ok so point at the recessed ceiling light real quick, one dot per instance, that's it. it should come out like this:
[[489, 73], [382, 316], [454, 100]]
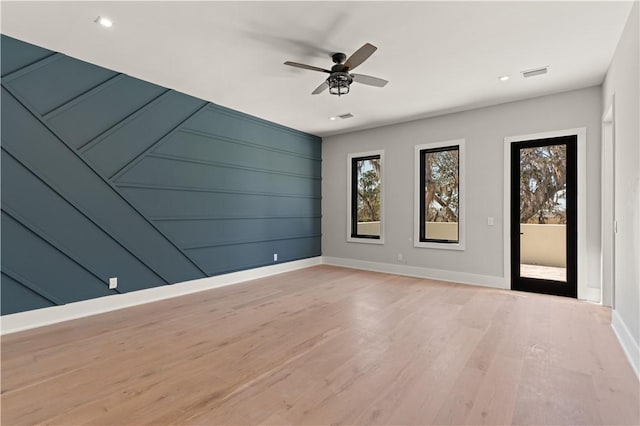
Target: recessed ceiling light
[[503, 78], [105, 22], [333, 118]]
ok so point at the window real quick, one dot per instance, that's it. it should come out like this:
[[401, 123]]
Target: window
[[365, 205], [439, 198]]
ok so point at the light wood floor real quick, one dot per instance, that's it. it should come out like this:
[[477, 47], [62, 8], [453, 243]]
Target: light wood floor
[[326, 345]]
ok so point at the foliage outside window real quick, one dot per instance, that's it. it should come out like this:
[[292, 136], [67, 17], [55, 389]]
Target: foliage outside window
[[365, 197], [439, 195], [543, 185]]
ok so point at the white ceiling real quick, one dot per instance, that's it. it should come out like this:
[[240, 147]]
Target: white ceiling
[[438, 56]]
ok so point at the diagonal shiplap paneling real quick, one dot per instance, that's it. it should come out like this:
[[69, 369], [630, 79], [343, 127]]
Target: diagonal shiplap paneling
[[106, 175], [246, 188]]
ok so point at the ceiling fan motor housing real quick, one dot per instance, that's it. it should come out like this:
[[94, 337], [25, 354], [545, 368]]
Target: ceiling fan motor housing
[[339, 58], [340, 79]]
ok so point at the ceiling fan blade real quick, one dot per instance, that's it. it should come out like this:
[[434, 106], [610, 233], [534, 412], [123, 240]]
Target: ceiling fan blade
[[360, 56], [306, 67], [324, 86], [367, 79]]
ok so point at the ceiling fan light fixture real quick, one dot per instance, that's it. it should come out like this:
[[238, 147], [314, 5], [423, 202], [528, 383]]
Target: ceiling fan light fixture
[[339, 83]]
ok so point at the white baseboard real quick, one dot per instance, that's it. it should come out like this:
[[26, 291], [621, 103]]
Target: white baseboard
[[628, 343], [46, 316], [418, 271]]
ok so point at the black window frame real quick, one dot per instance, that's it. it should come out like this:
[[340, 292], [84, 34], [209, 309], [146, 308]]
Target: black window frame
[[422, 224], [354, 196]]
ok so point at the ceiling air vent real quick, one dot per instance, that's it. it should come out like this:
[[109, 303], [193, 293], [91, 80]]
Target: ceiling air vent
[[345, 116], [535, 71]]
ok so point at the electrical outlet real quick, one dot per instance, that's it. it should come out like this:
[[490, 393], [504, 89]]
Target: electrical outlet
[[275, 257], [400, 257], [490, 221], [113, 283]]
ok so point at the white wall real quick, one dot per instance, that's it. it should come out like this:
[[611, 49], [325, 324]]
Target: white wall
[[621, 84], [484, 130]]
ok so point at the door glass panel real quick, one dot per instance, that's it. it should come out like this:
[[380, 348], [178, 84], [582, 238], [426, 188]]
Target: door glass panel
[[543, 212]]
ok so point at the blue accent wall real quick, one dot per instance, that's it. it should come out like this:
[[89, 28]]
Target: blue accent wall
[[105, 175]]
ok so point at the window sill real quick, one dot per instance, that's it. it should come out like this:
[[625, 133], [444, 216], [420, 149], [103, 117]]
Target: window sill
[[439, 246], [379, 241]]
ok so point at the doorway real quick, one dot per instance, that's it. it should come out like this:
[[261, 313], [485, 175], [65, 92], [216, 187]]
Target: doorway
[[544, 215]]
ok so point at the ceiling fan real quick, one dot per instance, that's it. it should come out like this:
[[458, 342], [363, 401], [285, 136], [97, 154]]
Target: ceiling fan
[[340, 76]]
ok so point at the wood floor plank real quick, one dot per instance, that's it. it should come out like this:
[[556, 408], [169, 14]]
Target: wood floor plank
[[326, 345]]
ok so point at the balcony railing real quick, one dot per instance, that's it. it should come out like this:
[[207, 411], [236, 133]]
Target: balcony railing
[[540, 244]]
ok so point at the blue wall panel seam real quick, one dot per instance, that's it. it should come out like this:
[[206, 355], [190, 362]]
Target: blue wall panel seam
[[123, 122], [35, 230], [82, 96], [239, 243], [206, 218], [229, 166], [79, 209], [215, 136], [111, 185], [133, 162], [212, 190], [237, 114], [26, 69], [31, 286]]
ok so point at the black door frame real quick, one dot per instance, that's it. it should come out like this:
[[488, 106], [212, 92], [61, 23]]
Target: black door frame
[[558, 288]]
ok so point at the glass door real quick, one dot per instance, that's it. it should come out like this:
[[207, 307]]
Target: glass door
[[544, 216]]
